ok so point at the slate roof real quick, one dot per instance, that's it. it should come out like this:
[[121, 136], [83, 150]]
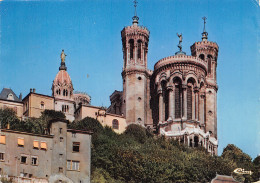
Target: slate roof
[[5, 92]]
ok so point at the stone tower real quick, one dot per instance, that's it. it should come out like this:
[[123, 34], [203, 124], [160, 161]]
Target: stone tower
[[62, 91], [136, 77], [208, 51]]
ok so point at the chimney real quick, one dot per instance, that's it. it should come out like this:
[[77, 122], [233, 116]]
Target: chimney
[[33, 90], [20, 96], [30, 90]]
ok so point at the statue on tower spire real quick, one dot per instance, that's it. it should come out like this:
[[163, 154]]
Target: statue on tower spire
[[180, 52], [62, 64], [204, 34], [135, 18]]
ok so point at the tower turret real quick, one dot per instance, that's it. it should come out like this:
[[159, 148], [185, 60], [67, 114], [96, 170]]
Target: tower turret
[[62, 90], [135, 75], [208, 51]]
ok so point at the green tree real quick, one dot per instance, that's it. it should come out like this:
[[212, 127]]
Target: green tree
[[8, 116], [241, 160], [256, 171], [137, 131], [87, 124]]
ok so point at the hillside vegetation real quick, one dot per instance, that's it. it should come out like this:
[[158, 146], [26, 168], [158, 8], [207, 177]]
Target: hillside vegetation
[[139, 156]]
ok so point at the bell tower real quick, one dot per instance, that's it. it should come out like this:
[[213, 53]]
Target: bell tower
[[62, 90], [136, 78], [207, 51]]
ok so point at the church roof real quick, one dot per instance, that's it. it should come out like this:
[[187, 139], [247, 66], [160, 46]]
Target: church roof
[[7, 92], [62, 77]]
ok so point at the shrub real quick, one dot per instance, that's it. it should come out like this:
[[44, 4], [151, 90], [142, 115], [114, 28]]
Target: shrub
[[87, 124], [137, 131]]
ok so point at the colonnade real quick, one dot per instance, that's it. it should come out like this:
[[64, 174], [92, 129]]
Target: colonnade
[[181, 101]]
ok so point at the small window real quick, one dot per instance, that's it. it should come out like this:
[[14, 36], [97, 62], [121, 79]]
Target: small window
[[34, 160], [10, 97], [139, 99], [65, 108], [60, 169], [2, 156], [202, 57], [23, 159], [139, 78], [115, 124], [60, 130], [42, 105], [74, 134], [61, 139], [76, 146], [73, 165], [36, 144], [43, 145], [2, 139], [20, 142]]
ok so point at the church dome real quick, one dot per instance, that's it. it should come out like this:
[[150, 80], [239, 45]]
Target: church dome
[[62, 78], [62, 87]]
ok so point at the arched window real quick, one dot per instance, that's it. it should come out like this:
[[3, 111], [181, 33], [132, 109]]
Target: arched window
[[196, 141], [64, 92], [191, 145], [189, 102], [178, 90], [131, 43], [209, 63], [42, 105], [59, 91], [115, 124], [139, 45], [202, 57], [10, 96]]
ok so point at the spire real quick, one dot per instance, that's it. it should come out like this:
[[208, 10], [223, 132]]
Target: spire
[[135, 18], [204, 34], [62, 64]]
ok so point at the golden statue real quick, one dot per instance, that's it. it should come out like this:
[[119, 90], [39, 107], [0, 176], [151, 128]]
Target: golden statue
[[63, 56]]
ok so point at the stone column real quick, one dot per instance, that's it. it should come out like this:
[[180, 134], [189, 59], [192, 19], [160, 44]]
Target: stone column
[[127, 55], [160, 105], [171, 102], [202, 108], [196, 92], [143, 52], [184, 101], [135, 53], [193, 105]]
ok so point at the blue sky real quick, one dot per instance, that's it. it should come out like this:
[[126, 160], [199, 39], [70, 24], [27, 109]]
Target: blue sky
[[33, 33]]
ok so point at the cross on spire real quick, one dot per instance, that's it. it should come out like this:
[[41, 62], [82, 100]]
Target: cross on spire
[[135, 5], [135, 17], [204, 33]]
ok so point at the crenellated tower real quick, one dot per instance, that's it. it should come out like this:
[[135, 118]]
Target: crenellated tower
[[136, 78], [208, 52]]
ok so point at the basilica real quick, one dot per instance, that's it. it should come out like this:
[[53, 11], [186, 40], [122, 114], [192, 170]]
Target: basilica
[[178, 99]]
